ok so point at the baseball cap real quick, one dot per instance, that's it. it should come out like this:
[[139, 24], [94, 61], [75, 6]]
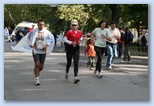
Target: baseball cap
[[74, 22]]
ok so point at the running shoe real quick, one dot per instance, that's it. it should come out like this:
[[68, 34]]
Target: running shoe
[[91, 68], [37, 82], [122, 61], [76, 80], [66, 76], [100, 75], [96, 73], [129, 61], [109, 68]]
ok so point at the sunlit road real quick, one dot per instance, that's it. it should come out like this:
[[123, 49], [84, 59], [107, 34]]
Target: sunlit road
[[126, 82]]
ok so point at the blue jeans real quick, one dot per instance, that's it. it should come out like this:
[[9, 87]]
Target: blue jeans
[[111, 50]]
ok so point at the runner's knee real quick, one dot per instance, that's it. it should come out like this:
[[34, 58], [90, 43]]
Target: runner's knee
[[37, 65], [41, 67]]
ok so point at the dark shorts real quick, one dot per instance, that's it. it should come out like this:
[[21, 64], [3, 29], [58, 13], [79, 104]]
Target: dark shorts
[[39, 57]]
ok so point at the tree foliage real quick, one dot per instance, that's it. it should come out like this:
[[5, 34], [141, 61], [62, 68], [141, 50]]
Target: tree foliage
[[58, 17], [136, 15]]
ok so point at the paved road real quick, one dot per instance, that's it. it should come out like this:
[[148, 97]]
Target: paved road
[[126, 82]]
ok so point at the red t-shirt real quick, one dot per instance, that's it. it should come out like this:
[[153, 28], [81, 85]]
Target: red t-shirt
[[74, 35]]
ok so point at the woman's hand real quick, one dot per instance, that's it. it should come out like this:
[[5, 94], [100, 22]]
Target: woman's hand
[[74, 43], [103, 36]]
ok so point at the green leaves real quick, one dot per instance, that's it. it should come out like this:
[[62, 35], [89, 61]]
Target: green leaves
[[58, 17]]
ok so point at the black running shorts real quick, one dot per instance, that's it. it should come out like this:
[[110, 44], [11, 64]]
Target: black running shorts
[[39, 57]]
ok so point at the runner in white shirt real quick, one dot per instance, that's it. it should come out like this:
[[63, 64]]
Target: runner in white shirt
[[112, 45], [101, 36]]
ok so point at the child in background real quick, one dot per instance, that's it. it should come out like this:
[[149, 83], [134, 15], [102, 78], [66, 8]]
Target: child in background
[[90, 52]]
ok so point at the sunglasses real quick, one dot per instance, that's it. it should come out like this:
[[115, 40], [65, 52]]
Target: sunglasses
[[74, 25]]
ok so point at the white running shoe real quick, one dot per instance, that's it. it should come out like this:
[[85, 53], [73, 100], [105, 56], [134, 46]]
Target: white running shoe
[[66, 76], [100, 75], [129, 61], [109, 68], [96, 73], [76, 80], [91, 68], [37, 82], [122, 61]]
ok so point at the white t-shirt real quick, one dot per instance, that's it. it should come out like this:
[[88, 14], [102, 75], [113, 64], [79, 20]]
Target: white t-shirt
[[99, 40], [114, 35]]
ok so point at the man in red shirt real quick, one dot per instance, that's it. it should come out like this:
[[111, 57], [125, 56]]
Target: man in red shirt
[[72, 40]]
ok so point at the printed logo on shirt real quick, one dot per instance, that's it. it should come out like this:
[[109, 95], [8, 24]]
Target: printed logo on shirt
[[40, 44]]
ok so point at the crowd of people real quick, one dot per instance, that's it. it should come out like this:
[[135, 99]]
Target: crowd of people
[[7, 34], [142, 41], [112, 41]]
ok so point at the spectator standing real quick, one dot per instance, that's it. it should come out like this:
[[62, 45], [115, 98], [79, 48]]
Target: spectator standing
[[10, 32], [26, 31], [60, 39], [144, 43], [6, 33], [55, 37], [146, 34], [120, 42], [19, 34], [127, 42], [139, 43]]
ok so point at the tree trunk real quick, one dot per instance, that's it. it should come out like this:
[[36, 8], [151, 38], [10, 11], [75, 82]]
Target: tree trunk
[[115, 8], [137, 22]]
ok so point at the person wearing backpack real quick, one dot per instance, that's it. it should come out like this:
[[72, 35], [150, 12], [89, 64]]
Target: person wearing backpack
[[128, 38]]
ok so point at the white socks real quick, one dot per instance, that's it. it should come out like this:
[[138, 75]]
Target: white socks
[[75, 77], [37, 78]]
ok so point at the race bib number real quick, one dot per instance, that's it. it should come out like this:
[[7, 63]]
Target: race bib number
[[40, 44], [101, 38]]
